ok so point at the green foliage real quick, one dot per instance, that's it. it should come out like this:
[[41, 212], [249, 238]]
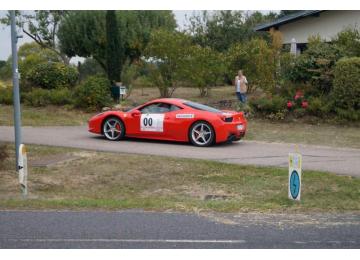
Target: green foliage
[[6, 95], [270, 107], [169, 53], [317, 106], [315, 66], [348, 41], [346, 92], [221, 29], [39, 97], [93, 94], [89, 67], [205, 68], [30, 55], [136, 28], [129, 74], [114, 48], [6, 71], [52, 75], [2, 63], [83, 33], [256, 59]]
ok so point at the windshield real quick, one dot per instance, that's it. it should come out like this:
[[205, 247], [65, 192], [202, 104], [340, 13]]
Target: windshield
[[201, 107]]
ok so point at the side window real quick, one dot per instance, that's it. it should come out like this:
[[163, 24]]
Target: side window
[[163, 108], [157, 108], [149, 109], [174, 108]]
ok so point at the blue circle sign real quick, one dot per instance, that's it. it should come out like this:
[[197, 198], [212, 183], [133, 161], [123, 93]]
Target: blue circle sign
[[294, 184]]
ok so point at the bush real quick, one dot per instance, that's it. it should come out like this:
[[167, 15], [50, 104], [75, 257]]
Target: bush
[[61, 96], [6, 96], [42, 97], [52, 75], [315, 66], [346, 92], [272, 108], [37, 97], [268, 105], [93, 94], [348, 41]]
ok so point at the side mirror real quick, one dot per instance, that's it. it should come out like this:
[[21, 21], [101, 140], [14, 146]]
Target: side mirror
[[135, 113]]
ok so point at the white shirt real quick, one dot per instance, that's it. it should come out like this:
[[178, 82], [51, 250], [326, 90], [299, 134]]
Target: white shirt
[[239, 81]]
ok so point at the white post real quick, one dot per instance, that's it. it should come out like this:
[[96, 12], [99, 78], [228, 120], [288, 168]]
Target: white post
[[294, 190]]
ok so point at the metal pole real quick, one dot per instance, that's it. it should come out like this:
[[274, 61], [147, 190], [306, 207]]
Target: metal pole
[[16, 95]]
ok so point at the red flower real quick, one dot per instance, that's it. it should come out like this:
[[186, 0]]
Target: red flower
[[298, 94], [289, 104], [304, 104]]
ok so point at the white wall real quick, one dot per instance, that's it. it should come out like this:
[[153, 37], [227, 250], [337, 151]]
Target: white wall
[[327, 25]]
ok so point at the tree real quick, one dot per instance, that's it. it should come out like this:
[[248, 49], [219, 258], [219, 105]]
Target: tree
[[83, 33], [136, 28], [221, 29], [168, 53], [315, 66], [256, 59], [348, 41], [30, 55], [205, 68], [114, 51], [42, 27]]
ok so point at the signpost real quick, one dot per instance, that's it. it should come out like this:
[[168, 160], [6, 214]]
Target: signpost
[[20, 151], [16, 95], [23, 171], [295, 161]]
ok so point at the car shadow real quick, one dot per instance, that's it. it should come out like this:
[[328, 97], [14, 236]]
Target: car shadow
[[152, 141]]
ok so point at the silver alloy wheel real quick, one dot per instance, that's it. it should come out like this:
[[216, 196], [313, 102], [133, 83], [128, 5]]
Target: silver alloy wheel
[[201, 134], [112, 129]]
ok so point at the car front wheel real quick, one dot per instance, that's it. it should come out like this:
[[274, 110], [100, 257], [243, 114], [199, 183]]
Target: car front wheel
[[113, 129]]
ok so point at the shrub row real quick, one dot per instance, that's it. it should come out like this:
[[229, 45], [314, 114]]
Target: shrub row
[[92, 95]]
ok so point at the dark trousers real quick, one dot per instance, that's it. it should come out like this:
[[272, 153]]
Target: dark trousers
[[241, 97]]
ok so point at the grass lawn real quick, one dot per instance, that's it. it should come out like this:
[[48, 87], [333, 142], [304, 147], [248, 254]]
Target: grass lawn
[[44, 116], [98, 180]]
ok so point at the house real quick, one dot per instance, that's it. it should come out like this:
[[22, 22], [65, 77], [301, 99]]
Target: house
[[300, 25]]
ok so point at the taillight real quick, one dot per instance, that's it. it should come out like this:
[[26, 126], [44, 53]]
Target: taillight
[[227, 119]]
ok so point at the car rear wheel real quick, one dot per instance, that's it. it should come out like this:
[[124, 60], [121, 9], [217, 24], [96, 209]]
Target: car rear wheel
[[201, 134], [113, 129]]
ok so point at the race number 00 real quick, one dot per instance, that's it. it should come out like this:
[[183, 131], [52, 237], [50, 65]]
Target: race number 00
[[148, 121]]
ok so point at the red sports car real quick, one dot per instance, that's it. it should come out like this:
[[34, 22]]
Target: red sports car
[[171, 119]]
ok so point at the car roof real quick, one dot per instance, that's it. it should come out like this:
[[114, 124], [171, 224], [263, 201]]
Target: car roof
[[175, 101]]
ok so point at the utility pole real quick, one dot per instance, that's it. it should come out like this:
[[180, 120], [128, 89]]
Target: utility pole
[[16, 95]]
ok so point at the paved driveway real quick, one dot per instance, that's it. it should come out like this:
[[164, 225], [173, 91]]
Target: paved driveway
[[337, 160]]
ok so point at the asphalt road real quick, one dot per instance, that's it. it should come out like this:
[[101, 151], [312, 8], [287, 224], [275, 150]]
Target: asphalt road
[[337, 160], [138, 229]]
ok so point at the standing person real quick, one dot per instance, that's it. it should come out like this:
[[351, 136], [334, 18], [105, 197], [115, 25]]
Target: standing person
[[241, 86]]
